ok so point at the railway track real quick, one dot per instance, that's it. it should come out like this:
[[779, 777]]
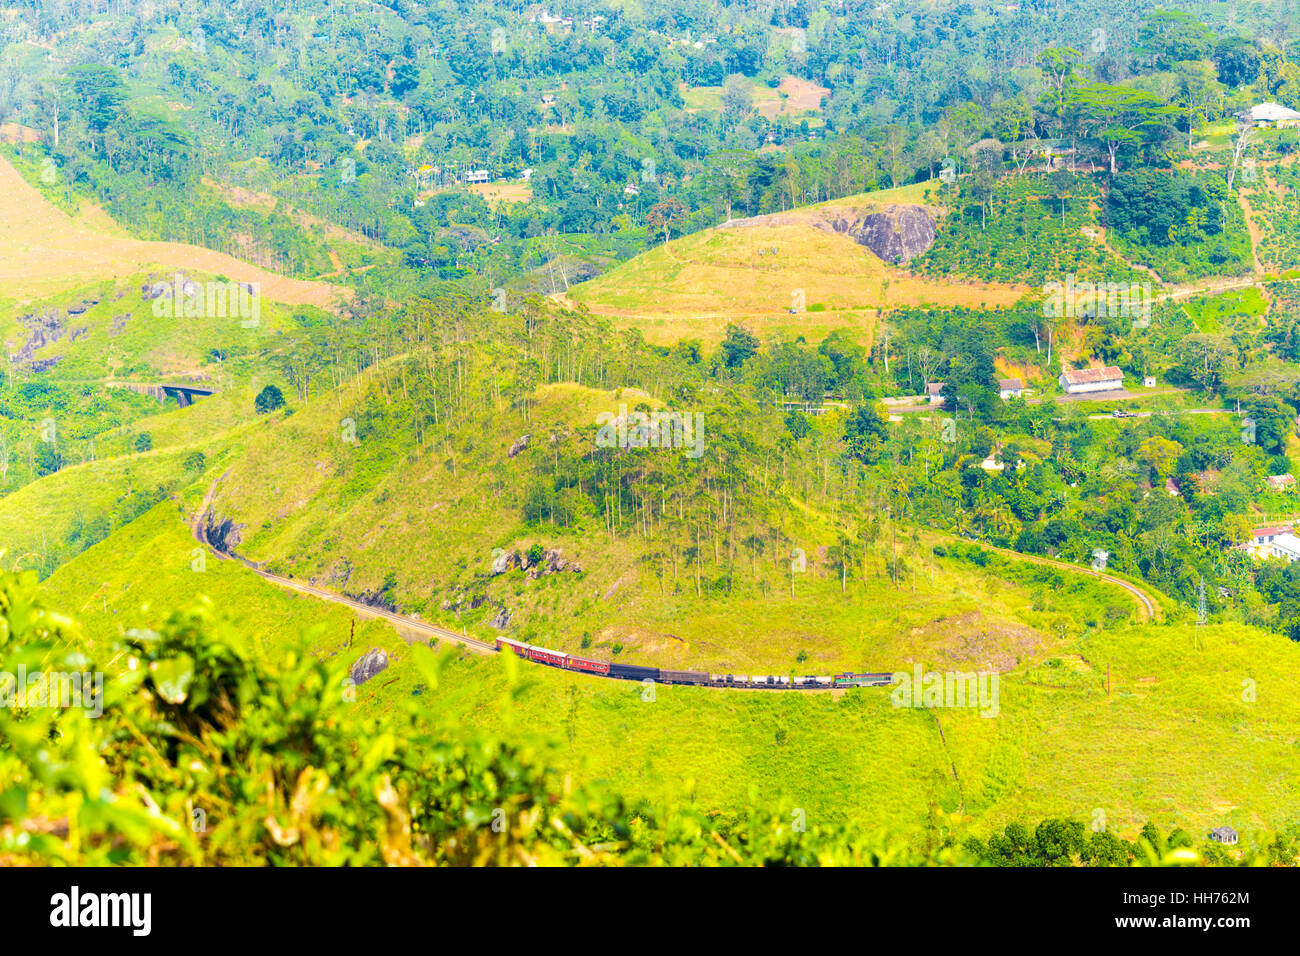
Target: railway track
[[1148, 610], [436, 632], [366, 610]]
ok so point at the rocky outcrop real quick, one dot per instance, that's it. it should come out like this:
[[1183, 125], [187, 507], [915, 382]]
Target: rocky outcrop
[[551, 561], [896, 232], [519, 446], [502, 619], [372, 662], [223, 534]]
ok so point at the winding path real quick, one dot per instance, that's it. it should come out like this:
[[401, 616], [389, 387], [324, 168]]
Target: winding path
[[1147, 608], [198, 529]]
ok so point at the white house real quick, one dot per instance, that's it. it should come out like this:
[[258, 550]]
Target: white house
[[1286, 546], [1226, 835], [1079, 381], [477, 176], [1280, 482], [935, 392], [1010, 388], [1271, 114]]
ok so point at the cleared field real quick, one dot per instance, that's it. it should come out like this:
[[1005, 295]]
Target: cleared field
[[795, 97], [694, 286], [43, 250]]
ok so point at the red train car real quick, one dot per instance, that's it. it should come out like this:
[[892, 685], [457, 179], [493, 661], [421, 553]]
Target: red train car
[[591, 667]]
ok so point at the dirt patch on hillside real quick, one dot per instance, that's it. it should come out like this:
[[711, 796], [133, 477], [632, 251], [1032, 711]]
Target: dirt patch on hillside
[[43, 249], [972, 641]]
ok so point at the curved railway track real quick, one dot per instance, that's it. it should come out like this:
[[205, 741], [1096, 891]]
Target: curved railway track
[[1148, 609]]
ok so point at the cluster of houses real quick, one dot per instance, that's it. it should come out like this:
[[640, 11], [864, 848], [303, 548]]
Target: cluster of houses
[[1081, 381], [548, 19]]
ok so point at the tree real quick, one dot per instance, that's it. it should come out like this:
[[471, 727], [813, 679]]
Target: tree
[[737, 99], [1197, 89], [726, 171], [1170, 36], [1117, 116], [666, 214], [268, 400], [99, 94], [738, 346], [1062, 181], [1245, 135]]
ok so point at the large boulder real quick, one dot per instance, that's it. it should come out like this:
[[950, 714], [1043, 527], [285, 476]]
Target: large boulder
[[896, 232], [372, 662]]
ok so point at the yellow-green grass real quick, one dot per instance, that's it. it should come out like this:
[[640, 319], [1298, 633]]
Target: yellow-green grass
[[124, 336], [43, 250], [1181, 737], [794, 98], [153, 566], [426, 522], [694, 286], [38, 517], [223, 414]]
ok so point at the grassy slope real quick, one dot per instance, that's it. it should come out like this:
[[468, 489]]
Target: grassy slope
[[349, 516], [692, 286], [120, 337], [1173, 741]]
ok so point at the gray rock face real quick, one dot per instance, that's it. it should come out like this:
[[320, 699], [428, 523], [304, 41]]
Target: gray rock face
[[502, 619], [896, 232], [519, 446], [551, 562], [372, 662]]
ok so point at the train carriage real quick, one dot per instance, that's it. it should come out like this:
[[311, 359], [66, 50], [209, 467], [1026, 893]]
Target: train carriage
[[590, 666], [683, 677], [543, 655], [633, 672]]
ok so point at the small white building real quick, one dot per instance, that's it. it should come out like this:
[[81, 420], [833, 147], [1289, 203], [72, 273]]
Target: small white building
[[1078, 381], [1280, 482], [477, 176], [1010, 388], [934, 391], [1224, 835], [1285, 545], [1271, 114], [1148, 381]]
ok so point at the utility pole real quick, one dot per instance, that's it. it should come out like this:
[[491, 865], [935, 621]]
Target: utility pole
[[1201, 616]]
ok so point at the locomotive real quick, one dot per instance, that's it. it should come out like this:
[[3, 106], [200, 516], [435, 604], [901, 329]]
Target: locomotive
[[663, 675]]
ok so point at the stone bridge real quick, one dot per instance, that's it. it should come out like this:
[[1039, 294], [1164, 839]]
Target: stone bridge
[[184, 394]]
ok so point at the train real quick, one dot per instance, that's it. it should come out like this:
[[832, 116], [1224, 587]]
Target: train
[[663, 675]]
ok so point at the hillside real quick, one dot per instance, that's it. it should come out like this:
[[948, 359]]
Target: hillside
[[1128, 722], [766, 268], [43, 250]]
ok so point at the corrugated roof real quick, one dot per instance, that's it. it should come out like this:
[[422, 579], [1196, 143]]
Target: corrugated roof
[[1272, 112]]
